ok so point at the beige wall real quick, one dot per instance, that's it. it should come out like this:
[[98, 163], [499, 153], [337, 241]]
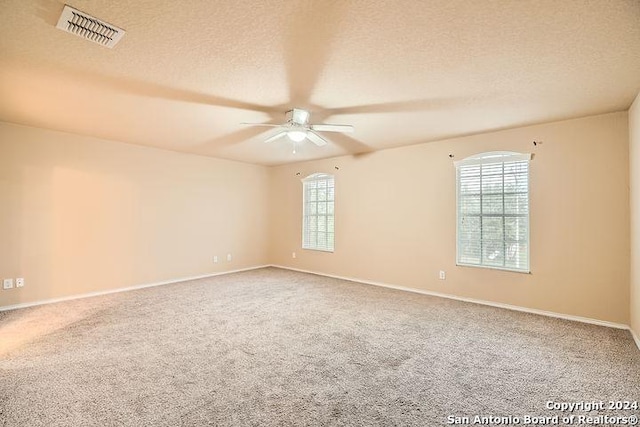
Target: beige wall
[[79, 214], [634, 157], [396, 218]]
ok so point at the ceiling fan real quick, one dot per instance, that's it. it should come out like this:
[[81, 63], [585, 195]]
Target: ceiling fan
[[298, 128]]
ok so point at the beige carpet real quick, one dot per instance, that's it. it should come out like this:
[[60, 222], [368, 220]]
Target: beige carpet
[[274, 347]]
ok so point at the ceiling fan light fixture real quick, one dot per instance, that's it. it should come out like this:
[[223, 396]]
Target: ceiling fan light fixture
[[297, 128], [297, 135]]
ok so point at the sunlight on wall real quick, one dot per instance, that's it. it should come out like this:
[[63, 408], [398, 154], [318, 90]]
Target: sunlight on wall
[[90, 213]]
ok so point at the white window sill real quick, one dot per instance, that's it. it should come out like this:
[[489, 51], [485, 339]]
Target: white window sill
[[491, 267], [318, 250]]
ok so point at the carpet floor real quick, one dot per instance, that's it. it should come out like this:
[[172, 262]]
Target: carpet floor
[[274, 347]]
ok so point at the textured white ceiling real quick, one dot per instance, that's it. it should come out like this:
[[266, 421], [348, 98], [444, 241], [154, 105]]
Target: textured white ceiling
[[402, 72]]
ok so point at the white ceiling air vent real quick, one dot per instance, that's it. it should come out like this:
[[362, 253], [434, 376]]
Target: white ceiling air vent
[[86, 26]]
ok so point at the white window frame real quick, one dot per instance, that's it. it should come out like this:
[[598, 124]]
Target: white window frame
[[314, 219], [493, 158]]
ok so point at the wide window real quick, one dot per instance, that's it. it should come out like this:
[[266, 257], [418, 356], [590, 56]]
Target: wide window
[[493, 211], [318, 206]]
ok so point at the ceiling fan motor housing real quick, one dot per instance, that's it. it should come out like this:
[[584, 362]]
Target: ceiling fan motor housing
[[298, 116]]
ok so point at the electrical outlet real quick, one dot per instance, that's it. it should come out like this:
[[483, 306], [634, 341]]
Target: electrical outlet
[[19, 282], [293, 254], [228, 257], [443, 275], [7, 284], [215, 259]]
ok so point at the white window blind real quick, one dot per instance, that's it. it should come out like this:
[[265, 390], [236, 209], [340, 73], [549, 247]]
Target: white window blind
[[493, 211], [318, 225]]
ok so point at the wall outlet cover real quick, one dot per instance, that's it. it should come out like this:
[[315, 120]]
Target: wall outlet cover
[[7, 283], [19, 282]]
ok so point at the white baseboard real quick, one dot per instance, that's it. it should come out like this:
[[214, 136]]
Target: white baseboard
[[128, 288], [635, 337], [475, 301]]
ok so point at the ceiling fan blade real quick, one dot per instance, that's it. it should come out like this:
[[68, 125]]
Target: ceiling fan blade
[[333, 128], [350, 144], [260, 124], [316, 139], [276, 136]]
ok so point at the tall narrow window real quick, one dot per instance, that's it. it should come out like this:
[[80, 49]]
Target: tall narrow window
[[318, 206], [493, 211]]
